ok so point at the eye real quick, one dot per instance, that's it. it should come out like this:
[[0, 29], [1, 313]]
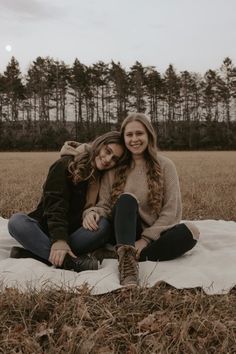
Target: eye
[[108, 150], [115, 158]]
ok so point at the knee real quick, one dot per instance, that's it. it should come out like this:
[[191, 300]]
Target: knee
[[127, 199], [104, 226], [193, 230], [15, 222], [190, 235]]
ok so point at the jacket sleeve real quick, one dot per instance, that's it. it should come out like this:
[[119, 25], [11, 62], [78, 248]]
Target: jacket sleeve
[[103, 206], [56, 198], [171, 211]]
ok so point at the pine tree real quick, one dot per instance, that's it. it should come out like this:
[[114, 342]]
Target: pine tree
[[79, 82], [40, 87], [100, 81], [154, 89], [119, 78], [13, 88], [59, 73], [171, 88], [137, 87]]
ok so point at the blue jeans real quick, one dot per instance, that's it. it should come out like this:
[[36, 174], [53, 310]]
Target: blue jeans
[[28, 233]]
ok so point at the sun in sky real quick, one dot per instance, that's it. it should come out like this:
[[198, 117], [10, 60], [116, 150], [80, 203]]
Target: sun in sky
[[8, 48]]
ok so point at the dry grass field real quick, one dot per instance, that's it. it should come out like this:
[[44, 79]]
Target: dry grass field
[[132, 321], [207, 179]]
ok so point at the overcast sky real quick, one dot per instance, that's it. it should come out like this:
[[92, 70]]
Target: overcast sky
[[194, 35]]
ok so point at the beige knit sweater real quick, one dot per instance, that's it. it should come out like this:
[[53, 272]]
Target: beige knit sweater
[[136, 184]]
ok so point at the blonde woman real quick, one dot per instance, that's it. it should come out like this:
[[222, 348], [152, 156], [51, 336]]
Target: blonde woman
[[142, 198], [52, 233]]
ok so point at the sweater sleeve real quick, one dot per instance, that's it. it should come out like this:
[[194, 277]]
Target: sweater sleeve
[[171, 211], [56, 199], [103, 206]]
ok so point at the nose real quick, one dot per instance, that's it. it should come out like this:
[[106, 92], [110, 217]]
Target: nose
[[108, 159], [134, 138]]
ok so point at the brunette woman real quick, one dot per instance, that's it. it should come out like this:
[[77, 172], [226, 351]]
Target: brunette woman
[[52, 233]]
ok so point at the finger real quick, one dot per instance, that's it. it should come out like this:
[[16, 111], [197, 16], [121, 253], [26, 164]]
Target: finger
[[72, 254], [60, 258], [97, 217], [51, 257], [55, 257], [94, 222], [87, 224], [92, 225]]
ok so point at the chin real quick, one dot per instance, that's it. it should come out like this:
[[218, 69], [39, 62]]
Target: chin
[[99, 167], [137, 152]]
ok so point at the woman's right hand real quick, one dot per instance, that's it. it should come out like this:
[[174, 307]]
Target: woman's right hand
[[58, 252], [90, 221]]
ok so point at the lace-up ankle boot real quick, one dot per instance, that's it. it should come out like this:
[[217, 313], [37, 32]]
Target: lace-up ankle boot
[[79, 264], [128, 265]]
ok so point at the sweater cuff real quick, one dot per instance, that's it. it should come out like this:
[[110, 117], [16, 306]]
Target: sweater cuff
[[146, 239]]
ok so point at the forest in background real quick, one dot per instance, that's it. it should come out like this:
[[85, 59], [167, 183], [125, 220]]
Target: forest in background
[[54, 102]]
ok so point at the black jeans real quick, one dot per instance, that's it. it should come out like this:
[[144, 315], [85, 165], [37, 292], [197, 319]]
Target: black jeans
[[171, 244]]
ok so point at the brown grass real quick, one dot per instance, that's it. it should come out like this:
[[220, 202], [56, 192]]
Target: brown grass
[[207, 181], [157, 320]]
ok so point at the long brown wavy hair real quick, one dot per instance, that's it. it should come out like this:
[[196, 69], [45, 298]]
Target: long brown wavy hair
[[83, 166], [154, 173]]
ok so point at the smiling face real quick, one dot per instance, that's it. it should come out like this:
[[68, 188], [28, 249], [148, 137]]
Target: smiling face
[[136, 138], [108, 156]]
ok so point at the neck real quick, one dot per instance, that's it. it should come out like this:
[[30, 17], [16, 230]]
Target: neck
[[138, 159]]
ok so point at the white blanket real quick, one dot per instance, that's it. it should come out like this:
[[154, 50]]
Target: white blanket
[[211, 264]]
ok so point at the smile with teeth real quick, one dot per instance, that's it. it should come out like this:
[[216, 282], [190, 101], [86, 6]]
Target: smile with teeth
[[136, 145]]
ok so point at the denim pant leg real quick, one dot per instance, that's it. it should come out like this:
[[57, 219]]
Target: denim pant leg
[[28, 233], [172, 243], [85, 241]]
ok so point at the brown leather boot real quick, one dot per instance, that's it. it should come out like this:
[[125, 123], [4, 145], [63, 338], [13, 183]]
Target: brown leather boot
[[128, 265]]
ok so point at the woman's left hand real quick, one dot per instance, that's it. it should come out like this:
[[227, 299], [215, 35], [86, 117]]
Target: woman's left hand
[[139, 246], [90, 221]]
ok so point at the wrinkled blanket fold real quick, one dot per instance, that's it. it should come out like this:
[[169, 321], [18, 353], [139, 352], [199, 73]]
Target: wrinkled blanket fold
[[211, 265]]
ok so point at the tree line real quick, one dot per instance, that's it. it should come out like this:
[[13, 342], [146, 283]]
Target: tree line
[[54, 101]]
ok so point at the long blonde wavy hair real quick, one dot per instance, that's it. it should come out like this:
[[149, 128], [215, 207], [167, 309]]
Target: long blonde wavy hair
[[154, 173], [83, 166]]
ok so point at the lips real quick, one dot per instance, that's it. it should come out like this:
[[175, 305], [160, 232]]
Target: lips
[[104, 165], [136, 145]]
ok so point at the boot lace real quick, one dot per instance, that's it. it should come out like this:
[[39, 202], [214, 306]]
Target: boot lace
[[128, 265]]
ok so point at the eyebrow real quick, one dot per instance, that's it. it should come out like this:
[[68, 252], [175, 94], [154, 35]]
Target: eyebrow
[[136, 131]]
